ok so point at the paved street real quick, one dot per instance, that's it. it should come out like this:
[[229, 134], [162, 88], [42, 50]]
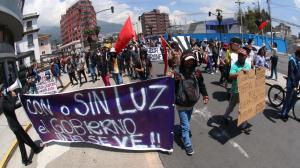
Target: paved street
[[272, 143]]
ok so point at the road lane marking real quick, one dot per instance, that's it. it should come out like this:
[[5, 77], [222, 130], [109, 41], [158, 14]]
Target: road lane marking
[[207, 115]]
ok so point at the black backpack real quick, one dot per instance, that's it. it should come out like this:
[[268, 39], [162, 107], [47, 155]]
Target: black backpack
[[187, 93]]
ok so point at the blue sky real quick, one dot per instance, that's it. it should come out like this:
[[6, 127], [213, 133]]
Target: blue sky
[[180, 11]]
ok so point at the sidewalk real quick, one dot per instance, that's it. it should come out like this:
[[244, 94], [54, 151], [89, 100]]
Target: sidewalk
[[280, 79], [74, 156], [7, 136]]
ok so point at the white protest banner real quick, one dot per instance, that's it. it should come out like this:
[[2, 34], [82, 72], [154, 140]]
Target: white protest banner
[[47, 84], [154, 54]]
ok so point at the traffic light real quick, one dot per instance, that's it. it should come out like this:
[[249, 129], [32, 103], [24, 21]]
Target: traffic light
[[112, 9], [209, 13]]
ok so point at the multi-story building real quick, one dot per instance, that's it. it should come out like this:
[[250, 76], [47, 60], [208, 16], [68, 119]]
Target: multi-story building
[[45, 44], [78, 24], [282, 30], [29, 41], [11, 30], [154, 22]]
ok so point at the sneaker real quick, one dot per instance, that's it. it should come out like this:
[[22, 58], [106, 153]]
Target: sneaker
[[225, 120], [284, 118], [189, 150], [27, 162], [40, 149]]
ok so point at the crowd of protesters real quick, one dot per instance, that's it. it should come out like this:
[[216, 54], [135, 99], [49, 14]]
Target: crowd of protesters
[[102, 63], [184, 66]]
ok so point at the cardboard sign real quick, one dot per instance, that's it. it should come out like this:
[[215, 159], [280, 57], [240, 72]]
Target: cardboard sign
[[252, 91]]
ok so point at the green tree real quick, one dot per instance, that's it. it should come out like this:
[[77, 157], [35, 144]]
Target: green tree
[[97, 30], [251, 16]]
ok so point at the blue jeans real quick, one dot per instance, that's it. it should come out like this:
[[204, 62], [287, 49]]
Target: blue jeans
[[291, 98], [185, 117], [210, 64], [118, 78], [273, 71], [92, 69]]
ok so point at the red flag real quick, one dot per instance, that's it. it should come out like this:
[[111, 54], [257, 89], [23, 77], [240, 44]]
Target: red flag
[[164, 45], [125, 35], [263, 25]]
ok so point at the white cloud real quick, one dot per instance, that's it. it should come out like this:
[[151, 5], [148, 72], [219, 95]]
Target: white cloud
[[173, 3], [294, 18], [176, 16], [51, 10], [297, 2]]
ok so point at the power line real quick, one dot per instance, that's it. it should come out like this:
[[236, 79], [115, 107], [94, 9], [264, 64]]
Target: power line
[[198, 13]]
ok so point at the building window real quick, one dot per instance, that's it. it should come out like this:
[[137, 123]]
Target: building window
[[43, 53], [29, 25], [30, 39]]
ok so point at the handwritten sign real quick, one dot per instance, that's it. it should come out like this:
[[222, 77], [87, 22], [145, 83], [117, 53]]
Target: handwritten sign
[[47, 85], [134, 117], [154, 54], [252, 90]]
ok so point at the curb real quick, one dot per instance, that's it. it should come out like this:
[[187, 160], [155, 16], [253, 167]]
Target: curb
[[12, 148]]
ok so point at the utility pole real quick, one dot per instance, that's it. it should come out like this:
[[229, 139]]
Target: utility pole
[[240, 12], [269, 8]]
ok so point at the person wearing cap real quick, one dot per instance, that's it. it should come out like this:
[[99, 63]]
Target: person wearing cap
[[187, 71], [8, 107], [116, 67], [239, 65], [230, 58]]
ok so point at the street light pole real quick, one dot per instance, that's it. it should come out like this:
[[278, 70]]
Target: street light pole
[[269, 8], [240, 13]]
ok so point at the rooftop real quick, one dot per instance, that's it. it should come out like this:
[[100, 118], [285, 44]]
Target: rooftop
[[30, 16]]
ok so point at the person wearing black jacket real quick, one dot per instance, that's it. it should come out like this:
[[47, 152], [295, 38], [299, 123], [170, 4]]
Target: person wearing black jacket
[[143, 66], [188, 72], [8, 107], [103, 63]]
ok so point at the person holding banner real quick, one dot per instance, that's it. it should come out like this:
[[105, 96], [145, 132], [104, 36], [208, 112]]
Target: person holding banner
[[239, 65], [8, 108], [189, 84]]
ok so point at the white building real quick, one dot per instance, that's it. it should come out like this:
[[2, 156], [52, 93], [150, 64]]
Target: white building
[[30, 39], [45, 44]]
